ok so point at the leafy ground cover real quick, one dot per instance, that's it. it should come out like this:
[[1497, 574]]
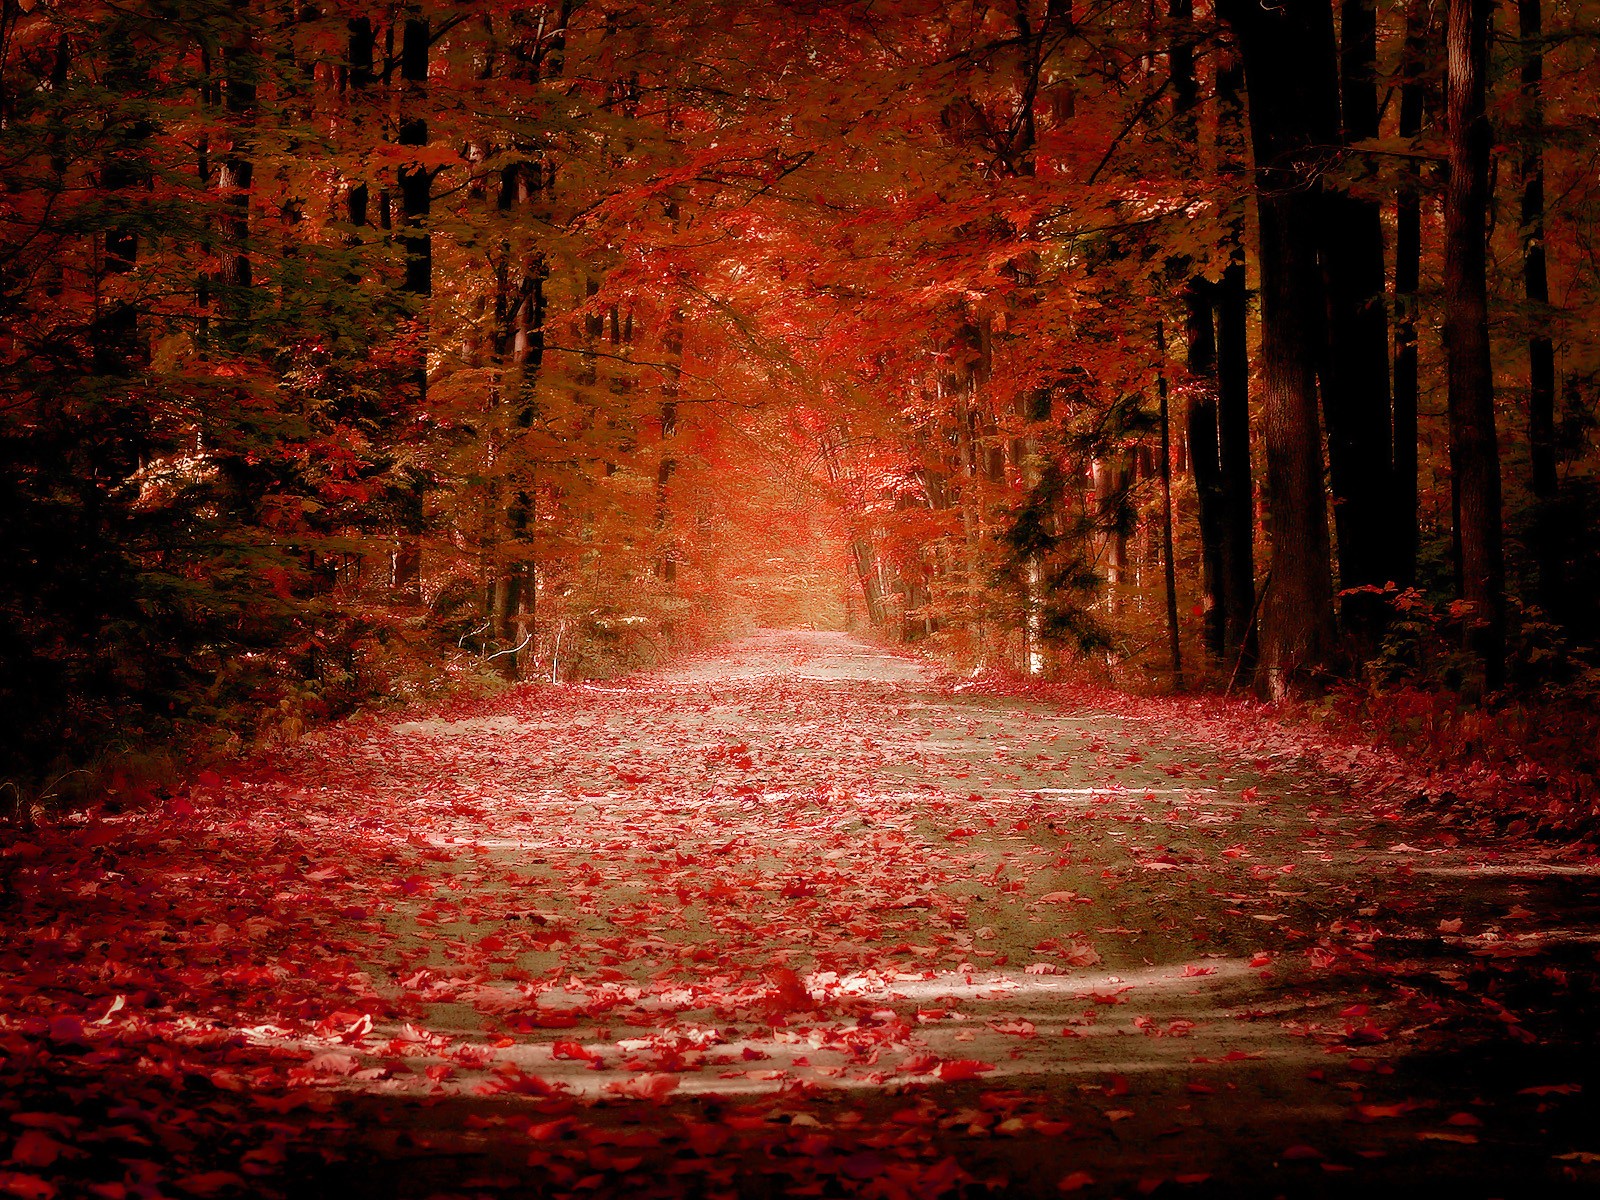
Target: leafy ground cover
[[799, 917]]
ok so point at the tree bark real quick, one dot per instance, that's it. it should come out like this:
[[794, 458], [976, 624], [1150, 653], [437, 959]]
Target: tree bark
[[1289, 62], [1474, 446], [1407, 281], [1232, 302], [1355, 375], [239, 69], [1169, 569], [1205, 461], [1201, 424], [416, 187], [1536, 287]]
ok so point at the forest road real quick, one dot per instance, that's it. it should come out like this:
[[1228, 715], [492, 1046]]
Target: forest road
[[803, 916]]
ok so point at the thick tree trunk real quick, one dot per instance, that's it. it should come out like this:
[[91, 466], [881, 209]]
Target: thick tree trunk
[[1232, 301], [1289, 61], [1355, 376], [1201, 424], [1536, 286], [1407, 280], [1474, 446]]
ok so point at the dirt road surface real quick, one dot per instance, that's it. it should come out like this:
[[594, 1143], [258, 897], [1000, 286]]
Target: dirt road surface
[[800, 917]]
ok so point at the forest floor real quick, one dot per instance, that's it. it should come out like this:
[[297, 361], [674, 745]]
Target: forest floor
[[800, 917]]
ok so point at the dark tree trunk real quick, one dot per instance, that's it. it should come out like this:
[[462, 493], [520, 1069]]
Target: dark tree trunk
[[1355, 375], [1233, 400], [416, 182], [1536, 286], [1407, 280], [416, 186], [239, 69], [672, 347], [1205, 461], [1474, 447], [1169, 569], [1289, 62], [118, 344], [1201, 419]]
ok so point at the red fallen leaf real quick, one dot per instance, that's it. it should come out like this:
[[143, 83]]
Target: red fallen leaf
[[959, 1069], [26, 1187], [1117, 1085], [1260, 959], [1017, 1028], [290, 1101], [1321, 957], [209, 1183], [1462, 1118], [55, 1122], [1075, 1181], [1041, 968], [36, 1149], [1380, 1112], [787, 994], [66, 1029], [518, 1082], [1049, 1128], [1552, 1089], [333, 1063], [1443, 1135], [573, 1050], [654, 1086], [960, 833], [1191, 971], [548, 1131], [1301, 1153], [1080, 954], [1058, 897], [707, 1140]]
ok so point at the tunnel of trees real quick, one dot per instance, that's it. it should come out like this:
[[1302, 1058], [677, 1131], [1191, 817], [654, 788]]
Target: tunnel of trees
[[347, 348]]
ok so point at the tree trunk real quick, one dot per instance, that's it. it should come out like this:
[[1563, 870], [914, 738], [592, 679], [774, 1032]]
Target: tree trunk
[[416, 186], [1201, 425], [239, 69], [1474, 448], [1536, 286], [672, 347], [1355, 375], [1289, 61], [1407, 280], [1169, 569], [1232, 301], [1205, 461]]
